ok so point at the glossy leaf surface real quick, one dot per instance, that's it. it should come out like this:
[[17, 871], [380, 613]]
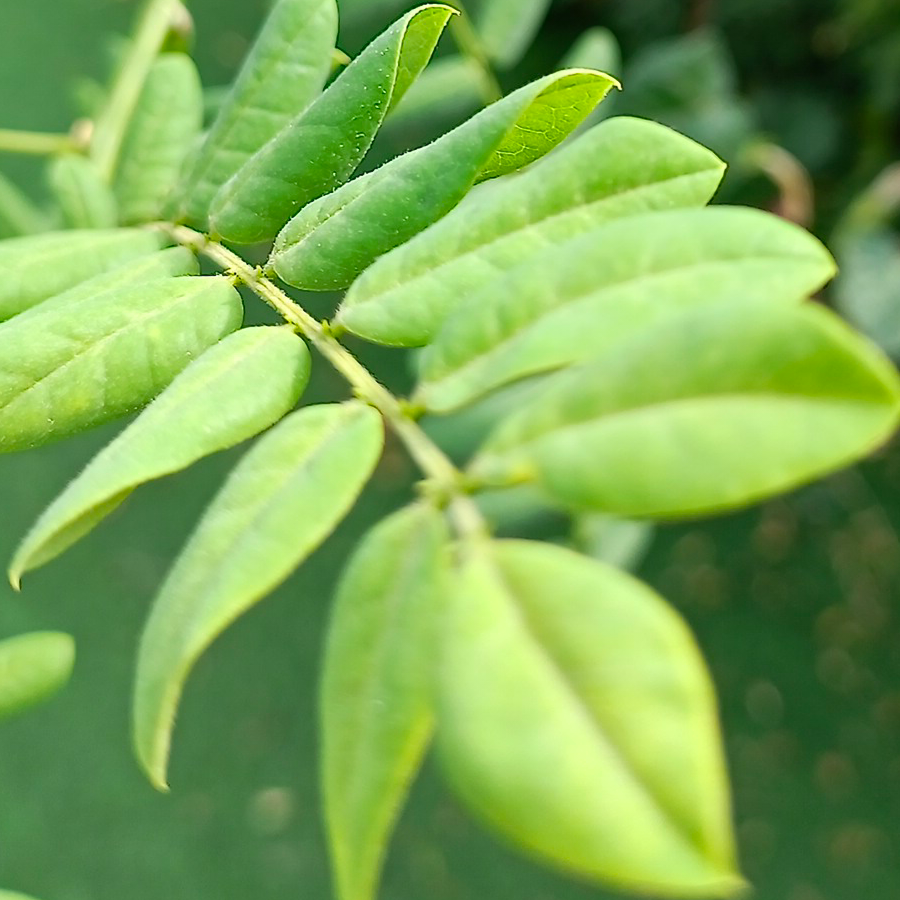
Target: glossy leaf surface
[[84, 198], [32, 667], [709, 411], [622, 167], [576, 300], [244, 384], [284, 71], [68, 369], [576, 717], [281, 501], [377, 714], [327, 244], [319, 149]]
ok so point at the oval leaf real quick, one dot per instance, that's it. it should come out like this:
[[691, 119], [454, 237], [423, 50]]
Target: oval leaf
[[709, 411], [622, 167], [376, 701], [573, 301], [68, 369], [576, 717], [39, 266], [32, 667], [281, 501], [319, 149], [244, 384], [285, 69], [84, 197], [327, 244]]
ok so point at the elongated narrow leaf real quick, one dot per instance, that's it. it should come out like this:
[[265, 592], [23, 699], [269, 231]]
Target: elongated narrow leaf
[[165, 127], [319, 149], [18, 214], [32, 667], [571, 302], [68, 369], [507, 27], [286, 68], [377, 715], [576, 717], [39, 266], [84, 197], [708, 411], [327, 244], [283, 499], [244, 384], [622, 167]]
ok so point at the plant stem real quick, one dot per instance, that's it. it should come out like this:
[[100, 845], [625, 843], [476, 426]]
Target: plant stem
[[470, 45], [35, 143], [448, 482]]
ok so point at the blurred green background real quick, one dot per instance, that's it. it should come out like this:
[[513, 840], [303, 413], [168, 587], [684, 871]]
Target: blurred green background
[[795, 603]]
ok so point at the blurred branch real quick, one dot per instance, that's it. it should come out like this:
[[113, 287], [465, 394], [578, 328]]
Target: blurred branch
[[470, 45], [796, 200], [36, 143]]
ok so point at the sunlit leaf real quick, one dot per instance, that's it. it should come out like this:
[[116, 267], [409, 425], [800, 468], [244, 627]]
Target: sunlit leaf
[[84, 198], [507, 27], [281, 501], [244, 384], [32, 667]]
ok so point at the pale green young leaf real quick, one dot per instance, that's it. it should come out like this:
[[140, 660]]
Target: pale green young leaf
[[507, 27], [576, 717], [708, 411], [10, 895], [622, 543], [280, 502], [235, 390], [571, 302], [284, 71], [85, 199], [376, 696], [32, 667], [18, 214], [164, 129], [622, 167], [320, 148], [596, 48], [38, 266], [66, 369], [329, 242]]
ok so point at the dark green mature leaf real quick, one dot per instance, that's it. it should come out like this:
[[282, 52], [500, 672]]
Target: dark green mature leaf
[[377, 714], [708, 411], [571, 302], [507, 27], [281, 501], [32, 667], [576, 717], [38, 266], [67, 369], [244, 384], [623, 167], [165, 127], [85, 199], [328, 243], [284, 71], [320, 148]]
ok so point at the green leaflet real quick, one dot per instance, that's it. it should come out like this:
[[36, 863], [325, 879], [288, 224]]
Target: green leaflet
[[376, 700], [38, 266], [32, 667], [319, 149], [68, 369], [622, 167], [622, 543], [284, 71], [165, 127], [507, 27], [574, 301], [244, 384], [9, 895], [84, 197], [281, 501], [576, 717], [18, 214], [708, 411], [328, 243]]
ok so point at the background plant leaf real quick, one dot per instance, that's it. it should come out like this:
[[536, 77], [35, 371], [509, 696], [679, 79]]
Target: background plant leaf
[[507, 27], [32, 667], [85, 199]]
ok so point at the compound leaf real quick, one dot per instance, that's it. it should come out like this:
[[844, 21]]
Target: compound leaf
[[284, 71], [329, 242], [622, 167], [32, 667], [244, 384], [576, 717], [85, 199], [573, 301], [377, 715], [507, 27], [281, 501], [319, 149], [708, 411], [64, 370]]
